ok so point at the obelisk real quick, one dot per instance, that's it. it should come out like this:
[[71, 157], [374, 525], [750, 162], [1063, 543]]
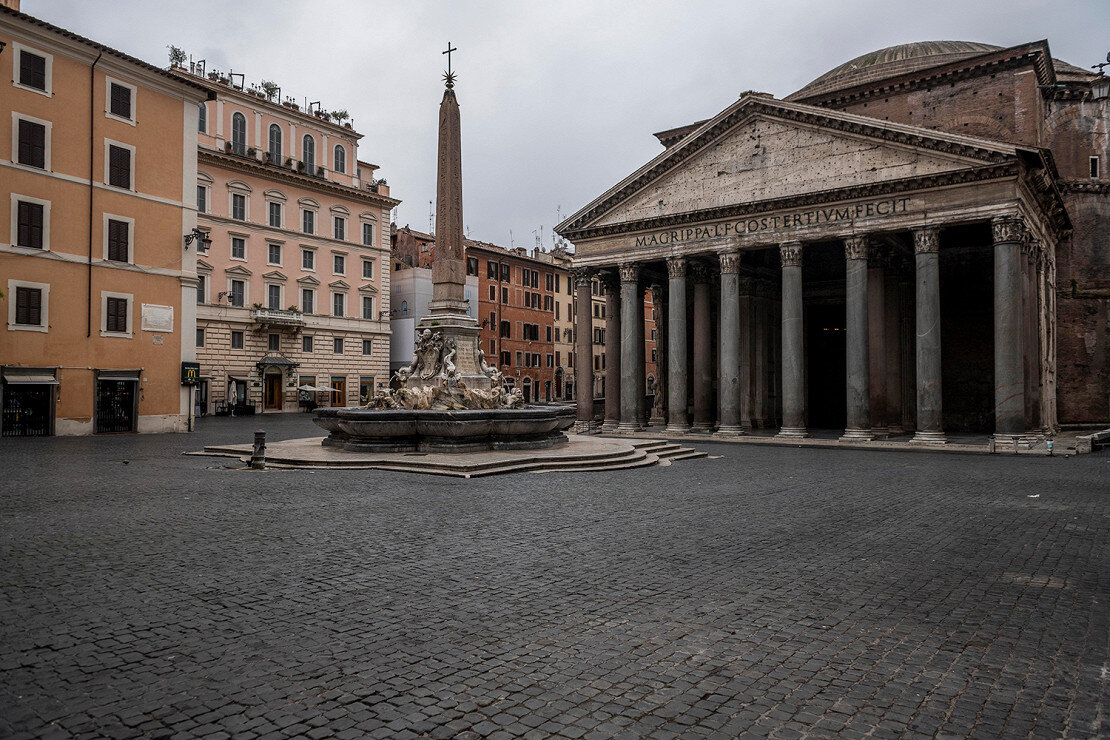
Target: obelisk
[[447, 322]]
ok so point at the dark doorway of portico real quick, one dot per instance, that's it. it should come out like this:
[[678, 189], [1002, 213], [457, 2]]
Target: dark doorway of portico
[[967, 328], [825, 339]]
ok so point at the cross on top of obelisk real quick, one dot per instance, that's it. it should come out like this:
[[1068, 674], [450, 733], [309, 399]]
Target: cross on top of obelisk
[[449, 76]]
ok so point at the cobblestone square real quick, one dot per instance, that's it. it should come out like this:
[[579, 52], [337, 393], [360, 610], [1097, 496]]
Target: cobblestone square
[[763, 591]]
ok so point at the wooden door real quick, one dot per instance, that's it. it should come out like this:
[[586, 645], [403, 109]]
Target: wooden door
[[339, 392], [271, 397]]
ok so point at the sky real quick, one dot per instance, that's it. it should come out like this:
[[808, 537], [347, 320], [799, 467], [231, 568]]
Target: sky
[[559, 100]]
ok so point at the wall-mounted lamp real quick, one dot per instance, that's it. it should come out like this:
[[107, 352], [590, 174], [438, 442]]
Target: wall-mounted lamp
[[1100, 86], [196, 235]]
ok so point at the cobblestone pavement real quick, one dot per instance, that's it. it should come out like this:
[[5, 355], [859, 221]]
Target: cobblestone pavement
[[796, 593]]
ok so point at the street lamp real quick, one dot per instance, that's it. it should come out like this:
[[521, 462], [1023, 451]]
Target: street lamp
[[196, 235]]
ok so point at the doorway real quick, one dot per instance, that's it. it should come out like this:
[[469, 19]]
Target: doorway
[[116, 399], [271, 393], [339, 391], [826, 356], [27, 410]]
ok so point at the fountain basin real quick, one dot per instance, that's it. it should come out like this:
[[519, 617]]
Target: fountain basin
[[422, 430]]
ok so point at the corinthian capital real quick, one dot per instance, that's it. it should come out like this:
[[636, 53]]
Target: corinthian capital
[[1007, 229], [610, 280], [791, 254], [676, 267], [630, 272], [926, 240], [581, 276], [730, 261], [855, 248]]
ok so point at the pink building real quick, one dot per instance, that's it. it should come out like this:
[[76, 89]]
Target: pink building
[[294, 286]]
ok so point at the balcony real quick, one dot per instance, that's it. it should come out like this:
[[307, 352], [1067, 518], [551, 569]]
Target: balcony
[[277, 318]]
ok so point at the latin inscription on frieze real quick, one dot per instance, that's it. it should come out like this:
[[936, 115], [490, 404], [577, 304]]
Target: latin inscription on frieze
[[778, 223]]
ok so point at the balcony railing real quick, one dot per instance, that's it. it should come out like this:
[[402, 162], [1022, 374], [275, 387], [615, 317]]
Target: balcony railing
[[277, 317]]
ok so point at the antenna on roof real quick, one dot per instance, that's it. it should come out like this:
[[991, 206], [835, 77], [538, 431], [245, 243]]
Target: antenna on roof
[[510, 238]]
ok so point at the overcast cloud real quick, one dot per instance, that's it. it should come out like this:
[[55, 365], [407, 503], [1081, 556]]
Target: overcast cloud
[[559, 100]]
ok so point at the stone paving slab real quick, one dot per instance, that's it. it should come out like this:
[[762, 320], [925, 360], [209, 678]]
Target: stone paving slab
[[765, 591]]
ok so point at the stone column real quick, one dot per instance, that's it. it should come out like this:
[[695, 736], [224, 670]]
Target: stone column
[[703, 373], [1009, 376], [584, 349], [926, 243], [612, 351], [659, 309], [1031, 354], [793, 343], [892, 346], [745, 342], [632, 349], [876, 340], [855, 314], [728, 363], [676, 349], [759, 357]]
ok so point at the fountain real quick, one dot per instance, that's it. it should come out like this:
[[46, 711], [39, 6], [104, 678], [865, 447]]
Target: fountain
[[449, 399]]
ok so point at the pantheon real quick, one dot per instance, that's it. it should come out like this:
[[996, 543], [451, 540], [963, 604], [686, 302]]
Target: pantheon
[[915, 243]]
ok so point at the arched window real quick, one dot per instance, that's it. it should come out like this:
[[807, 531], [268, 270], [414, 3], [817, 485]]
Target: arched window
[[239, 134], [404, 308], [202, 118], [308, 153], [340, 159], [274, 146]]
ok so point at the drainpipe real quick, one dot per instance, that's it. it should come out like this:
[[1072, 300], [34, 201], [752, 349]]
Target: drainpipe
[[92, 189]]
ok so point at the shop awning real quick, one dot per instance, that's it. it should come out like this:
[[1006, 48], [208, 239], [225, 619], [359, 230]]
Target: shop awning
[[29, 376], [275, 361]]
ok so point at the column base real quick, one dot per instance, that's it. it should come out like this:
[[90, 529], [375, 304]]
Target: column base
[[609, 425], [730, 430], [792, 433], [628, 426], [929, 438], [678, 428], [701, 428], [857, 435]]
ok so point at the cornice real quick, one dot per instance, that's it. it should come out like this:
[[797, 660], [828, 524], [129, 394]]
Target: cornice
[[911, 184], [751, 106], [255, 167], [1097, 187]]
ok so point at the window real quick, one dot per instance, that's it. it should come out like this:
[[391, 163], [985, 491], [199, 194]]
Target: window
[[308, 153], [119, 167], [506, 359], [1094, 167], [308, 222], [520, 359], [275, 214], [337, 345], [118, 240], [338, 303], [238, 293], [308, 259], [549, 333], [202, 199], [340, 227], [504, 273], [368, 307], [556, 282], [339, 264], [273, 256], [306, 343], [367, 346], [368, 234], [273, 342], [200, 337], [274, 143], [548, 281], [115, 318], [237, 340], [340, 159], [404, 308], [471, 265], [28, 306], [505, 295], [239, 134], [368, 269], [202, 286], [202, 118], [238, 248], [491, 270], [31, 149], [273, 296], [33, 70], [119, 100], [308, 300], [493, 293], [239, 206], [506, 330], [30, 224]]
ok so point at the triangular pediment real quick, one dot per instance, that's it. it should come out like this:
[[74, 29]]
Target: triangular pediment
[[275, 275], [338, 285], [237, 270], [761, 149], [308, 280], [203, 266], [368, 289]]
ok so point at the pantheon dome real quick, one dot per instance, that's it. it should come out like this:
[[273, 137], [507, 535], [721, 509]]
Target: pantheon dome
[[906, 58]]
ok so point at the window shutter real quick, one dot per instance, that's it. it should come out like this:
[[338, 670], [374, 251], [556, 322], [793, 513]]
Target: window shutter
[[121, 101], [32, 70], [32, 144], [28, 306], [30, 225], [117, 314], [117, 240], [119, 167]]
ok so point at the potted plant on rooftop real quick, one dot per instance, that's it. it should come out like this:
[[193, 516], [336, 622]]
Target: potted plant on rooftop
[[339, 116], [270, 88], [177, 57]]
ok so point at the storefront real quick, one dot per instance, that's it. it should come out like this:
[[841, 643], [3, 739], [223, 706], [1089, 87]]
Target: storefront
[[117, 401], [28, 401]]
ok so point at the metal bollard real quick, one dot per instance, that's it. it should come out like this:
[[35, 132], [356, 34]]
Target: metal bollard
[[258, 456], [1049, 443]]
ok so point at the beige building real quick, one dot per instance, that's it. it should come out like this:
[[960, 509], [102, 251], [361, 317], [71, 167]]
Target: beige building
[[293, 294], [98, 168]]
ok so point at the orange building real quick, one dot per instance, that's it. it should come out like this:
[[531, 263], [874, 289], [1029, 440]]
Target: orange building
[[100, 169], [293, 295]]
